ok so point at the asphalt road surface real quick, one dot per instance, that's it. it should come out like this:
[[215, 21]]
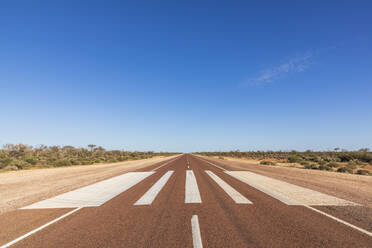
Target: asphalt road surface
[[185, 202]]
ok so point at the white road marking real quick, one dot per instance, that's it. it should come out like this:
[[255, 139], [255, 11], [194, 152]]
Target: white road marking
[[341, 221], [151, 194], [235, 195], [166, 163], [39, 228], [93, 195], [196, 236], [192, 194], [295, 195], [219, 167], [264, 190], [287, 193]]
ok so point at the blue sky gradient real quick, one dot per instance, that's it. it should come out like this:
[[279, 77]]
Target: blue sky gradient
[[187, 75]]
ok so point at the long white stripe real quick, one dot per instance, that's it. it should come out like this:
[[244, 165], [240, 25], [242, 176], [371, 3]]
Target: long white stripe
[[285, 200], [93, 195], [166, 163], [235, 195], [289, 193], [151, 194], [219, 167], [39, 228], [196, 236], [192, 194], [341, 221]]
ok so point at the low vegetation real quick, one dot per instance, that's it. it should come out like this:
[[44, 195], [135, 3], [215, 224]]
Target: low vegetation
[[265, 162], [353, 162], [20, 156]]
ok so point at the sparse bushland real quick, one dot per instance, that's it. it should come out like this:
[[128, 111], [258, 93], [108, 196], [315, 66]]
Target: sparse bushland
[[337, 160], [362, 172], [265, 162], [294, 158], [345, 169], [20, 156], [311, 166]]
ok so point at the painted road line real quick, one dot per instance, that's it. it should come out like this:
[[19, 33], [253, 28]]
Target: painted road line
[[95, 194], [39, 228], [263, 189], [219, 167], [165, 163], [192, 194], [151, 194], [196, 236], [287, 193], [235, 195], [341, 221]]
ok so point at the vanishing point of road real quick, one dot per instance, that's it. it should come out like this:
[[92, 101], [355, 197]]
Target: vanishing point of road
[[186, 201]]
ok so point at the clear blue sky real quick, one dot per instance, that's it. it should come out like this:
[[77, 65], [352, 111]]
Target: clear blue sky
[[187, 75]]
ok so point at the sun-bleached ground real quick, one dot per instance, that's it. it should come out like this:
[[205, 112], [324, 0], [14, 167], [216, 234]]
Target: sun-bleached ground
[[20, 188], [350, 187]]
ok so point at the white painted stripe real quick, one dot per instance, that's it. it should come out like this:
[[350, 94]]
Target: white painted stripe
[[196, 236], [151, 194], [166, 163], [276, 196], [287, 193], [39, 228], [219, 167], [192, 194], [235, 195], [93, 195], [341, 221]]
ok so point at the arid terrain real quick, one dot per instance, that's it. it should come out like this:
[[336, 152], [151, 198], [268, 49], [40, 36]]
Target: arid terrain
[[20, 188], [185, 201]]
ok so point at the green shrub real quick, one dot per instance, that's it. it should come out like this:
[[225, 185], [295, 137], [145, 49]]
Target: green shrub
[[333, 165], [20, 164], [265, 162], [311, 167], [362, 172], [345, 169], [322, 162], [313, 158], [294, 159], [32, 161], [351, 165], [220, 157], [325, 167], [60, 163], [345, 157], [305, 163], [5, 162]]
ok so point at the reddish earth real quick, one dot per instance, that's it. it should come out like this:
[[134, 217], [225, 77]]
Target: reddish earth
[[166, 222]]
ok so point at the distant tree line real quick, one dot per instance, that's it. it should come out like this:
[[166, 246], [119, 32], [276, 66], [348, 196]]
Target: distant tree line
[[21, 156], [339, 160]]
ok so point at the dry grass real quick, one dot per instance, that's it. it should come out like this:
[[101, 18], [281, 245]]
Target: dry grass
[[352, 162], [20, 156]]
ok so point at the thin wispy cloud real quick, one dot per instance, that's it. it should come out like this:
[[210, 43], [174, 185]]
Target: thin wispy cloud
[[293, 65]]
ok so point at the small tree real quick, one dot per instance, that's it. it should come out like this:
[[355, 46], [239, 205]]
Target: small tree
[[91, 146]]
